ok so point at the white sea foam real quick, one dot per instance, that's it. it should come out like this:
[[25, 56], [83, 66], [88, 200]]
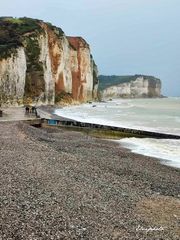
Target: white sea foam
[[165, 149], [156, 115]]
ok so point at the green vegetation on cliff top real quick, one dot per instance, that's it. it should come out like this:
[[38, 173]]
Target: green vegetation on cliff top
[[108, 81], [14, 30]]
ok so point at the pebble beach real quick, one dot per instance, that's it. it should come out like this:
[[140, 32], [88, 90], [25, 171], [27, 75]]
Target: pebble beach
[[59, 184]]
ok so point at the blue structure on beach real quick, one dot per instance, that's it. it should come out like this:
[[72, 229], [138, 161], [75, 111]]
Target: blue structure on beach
[[52, 122]]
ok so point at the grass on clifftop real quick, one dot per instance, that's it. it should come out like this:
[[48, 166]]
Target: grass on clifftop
[[108, 81], [14, 30]]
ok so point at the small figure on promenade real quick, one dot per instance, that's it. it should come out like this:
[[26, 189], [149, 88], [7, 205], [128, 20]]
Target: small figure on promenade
[[27, 110], [34, 109], [1, 112], [30, 109]]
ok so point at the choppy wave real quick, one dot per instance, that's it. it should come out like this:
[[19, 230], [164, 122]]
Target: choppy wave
[[157, 115], [165, 149]]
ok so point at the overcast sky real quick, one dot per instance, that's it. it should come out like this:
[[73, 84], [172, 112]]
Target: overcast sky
[[126, 36]]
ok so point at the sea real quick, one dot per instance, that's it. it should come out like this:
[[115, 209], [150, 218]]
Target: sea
[[160, 115]]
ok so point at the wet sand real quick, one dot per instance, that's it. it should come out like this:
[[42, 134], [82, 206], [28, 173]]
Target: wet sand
[[58, 184]]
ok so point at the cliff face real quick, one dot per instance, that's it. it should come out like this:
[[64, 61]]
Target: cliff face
[[12, 76], [39, 63], [137, 86]]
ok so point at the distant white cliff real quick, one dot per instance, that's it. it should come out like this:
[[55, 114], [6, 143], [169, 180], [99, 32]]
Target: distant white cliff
[[137, 86]]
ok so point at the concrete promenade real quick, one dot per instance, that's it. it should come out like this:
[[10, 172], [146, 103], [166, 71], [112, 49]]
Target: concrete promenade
[[16, 114]]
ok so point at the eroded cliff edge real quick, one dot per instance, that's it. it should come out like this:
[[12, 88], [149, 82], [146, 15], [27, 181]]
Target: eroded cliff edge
[[38, 63], [137, 86]]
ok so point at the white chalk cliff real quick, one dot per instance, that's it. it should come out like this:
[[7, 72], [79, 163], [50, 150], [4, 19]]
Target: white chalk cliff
[[139, 87], [42, 64]]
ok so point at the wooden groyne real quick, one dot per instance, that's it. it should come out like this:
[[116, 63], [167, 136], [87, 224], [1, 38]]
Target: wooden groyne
[[73, 123], [46, 117]]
